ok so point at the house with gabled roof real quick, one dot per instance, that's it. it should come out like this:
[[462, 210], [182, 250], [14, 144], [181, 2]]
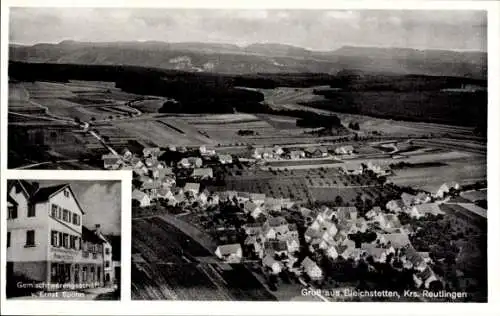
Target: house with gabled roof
[[111, 161], [276, 248], [445, 188], [311, 269], [202, 173], [46, 238], [420, 210], [346, 213], [252, 209], [395, 206], [225, 159], [141, 197], [408, 199], [231, 253], [271, 264], [194, 188], [374, 212]]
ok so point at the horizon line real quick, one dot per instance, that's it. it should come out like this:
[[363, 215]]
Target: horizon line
[[240, 45]]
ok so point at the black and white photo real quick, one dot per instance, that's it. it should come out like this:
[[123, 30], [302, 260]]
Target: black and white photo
[[275, 154], [63, 240]]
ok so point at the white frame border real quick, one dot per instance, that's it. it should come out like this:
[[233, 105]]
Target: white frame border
[[128, 307]]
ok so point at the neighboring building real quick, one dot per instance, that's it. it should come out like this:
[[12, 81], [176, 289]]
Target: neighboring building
[[311, 269], [194, 188], [445, 188], [395, 206], [225, 159], [408, 199], [420, 210], [190, 162], [151, 151], [344, 150], [111, 161], [297, 154], [141, 197], [203, 173], [231, 253], [206, 151], [273, 265]]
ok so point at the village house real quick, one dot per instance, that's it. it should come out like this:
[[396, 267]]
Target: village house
[[422, 197], [231, 253], [252, 229], [352, 253], [393, 241], [258, 198], [111, 161], [150, 152], [190, 162], [387, 221], [193, 188], [344, 150], [202, 173], [378, 254], [297, 154], [225, 159], [373, 213], [141, 197], [396, 206], [352, 169], [346, 213], [271, 264], [420, 210], [263, 153], [408, 199], [276, 248], [151, 188], [311, 269], [252, 209], [378, 169], [424, 278], [165, 194], [445, 188], [126, 154], [274, 204], [278, 151], [254, 244], [412, 259], [227, 196], [206, 151], [316, 152], [292, 244]]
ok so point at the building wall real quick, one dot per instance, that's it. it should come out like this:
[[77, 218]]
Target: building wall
[[108, 258], [61, 254], [18, 227]]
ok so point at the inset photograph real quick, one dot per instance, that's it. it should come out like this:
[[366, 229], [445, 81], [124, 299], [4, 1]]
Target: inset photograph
[[63, 239]]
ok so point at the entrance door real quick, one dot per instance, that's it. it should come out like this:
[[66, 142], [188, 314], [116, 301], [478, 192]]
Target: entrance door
[[76, 278]]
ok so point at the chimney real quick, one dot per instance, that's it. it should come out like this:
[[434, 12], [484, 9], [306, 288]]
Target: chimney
[[98, 228]]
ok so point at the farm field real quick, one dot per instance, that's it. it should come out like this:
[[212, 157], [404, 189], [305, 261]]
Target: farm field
[[84, 100], [464, 171], [169, 268]]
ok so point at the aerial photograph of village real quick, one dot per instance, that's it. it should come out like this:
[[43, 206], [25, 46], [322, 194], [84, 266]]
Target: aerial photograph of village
[[277, 155]]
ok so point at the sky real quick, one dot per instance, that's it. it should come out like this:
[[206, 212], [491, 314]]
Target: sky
[[100, 200], [312, 29]]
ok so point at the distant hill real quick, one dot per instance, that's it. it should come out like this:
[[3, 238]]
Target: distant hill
[[256, 58]]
